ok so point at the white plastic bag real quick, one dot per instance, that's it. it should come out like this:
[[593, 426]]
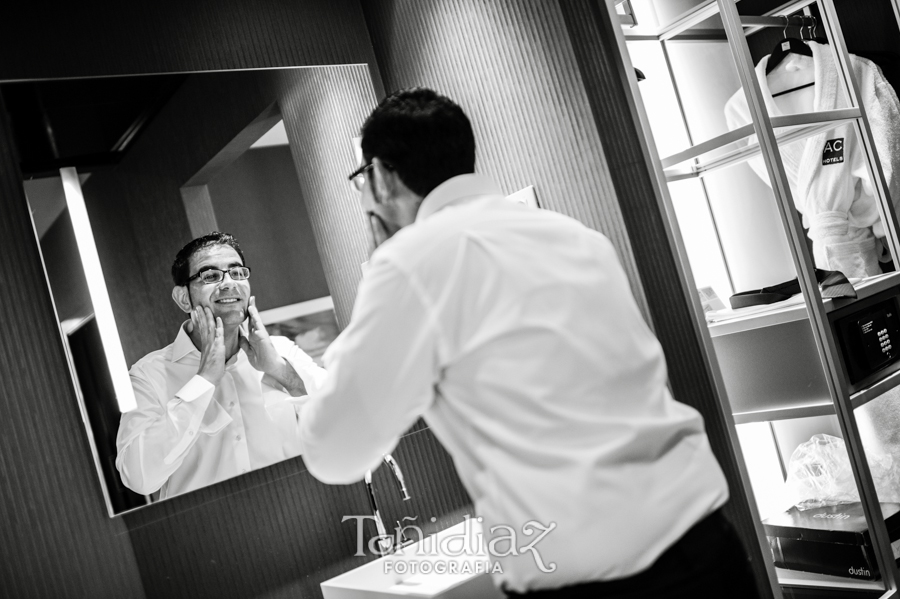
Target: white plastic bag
[[819, 474]]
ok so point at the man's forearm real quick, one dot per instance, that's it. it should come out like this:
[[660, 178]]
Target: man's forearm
[[288, 378]]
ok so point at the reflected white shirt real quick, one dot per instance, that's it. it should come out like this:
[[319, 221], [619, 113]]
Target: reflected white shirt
[[515, 333], [186, 433]]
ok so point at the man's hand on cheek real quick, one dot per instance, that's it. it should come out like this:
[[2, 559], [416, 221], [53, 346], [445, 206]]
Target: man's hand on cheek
[[259, 349], [378, 230], [212, 340], [264, 357]]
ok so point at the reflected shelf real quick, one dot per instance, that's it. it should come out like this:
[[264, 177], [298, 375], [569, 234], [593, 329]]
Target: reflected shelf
[[810, 579], [820, 408], [795, 127]]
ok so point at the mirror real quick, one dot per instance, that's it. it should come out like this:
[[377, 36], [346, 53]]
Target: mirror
[[149, 163]]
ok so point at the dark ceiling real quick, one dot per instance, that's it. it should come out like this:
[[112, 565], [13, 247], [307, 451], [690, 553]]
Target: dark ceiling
[[85, 123]]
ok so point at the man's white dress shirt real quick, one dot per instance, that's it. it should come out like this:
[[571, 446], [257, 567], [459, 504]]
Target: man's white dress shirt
[[186, 433], [515, 333]]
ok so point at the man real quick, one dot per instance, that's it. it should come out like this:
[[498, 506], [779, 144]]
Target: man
[[217, 402], [514, 333]]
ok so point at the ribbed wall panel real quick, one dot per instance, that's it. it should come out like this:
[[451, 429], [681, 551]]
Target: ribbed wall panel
[[511, 67], [41, 40], [329, 106], [56, 539]]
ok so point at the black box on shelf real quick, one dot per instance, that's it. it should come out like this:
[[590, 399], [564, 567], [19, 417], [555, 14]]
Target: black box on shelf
[[829, 540]]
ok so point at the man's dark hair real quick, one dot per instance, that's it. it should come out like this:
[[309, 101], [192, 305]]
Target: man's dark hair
[[181, 267], [424, 136]]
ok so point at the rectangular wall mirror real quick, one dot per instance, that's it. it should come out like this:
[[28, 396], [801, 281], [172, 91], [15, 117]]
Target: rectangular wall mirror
[[120, 173]]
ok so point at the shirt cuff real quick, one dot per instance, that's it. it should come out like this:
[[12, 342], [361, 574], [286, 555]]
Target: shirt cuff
[[194, 389]]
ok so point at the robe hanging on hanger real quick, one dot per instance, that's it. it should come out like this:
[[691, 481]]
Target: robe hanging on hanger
[[829, 180]]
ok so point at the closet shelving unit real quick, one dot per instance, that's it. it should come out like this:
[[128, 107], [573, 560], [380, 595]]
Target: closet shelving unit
[[763, 137]]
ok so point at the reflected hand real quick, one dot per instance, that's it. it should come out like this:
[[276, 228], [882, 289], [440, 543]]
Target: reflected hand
[[259, 348], [212, 344]]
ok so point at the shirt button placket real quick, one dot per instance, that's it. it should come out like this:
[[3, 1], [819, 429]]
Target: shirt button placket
[[241, 451]]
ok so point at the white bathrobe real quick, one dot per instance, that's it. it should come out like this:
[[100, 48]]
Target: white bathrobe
[[829, 179]]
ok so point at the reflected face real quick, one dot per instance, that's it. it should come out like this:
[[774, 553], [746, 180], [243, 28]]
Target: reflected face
[[228, 299]]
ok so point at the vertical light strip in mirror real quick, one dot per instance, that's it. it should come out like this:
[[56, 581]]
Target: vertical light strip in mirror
[[90, 261]]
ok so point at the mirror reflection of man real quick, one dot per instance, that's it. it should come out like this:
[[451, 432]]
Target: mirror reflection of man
[[223, 398]]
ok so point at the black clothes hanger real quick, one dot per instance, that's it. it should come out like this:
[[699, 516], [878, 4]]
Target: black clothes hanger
[[793, 89], [786, 46]]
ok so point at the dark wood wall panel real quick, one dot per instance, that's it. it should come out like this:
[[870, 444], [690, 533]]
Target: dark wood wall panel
[[510, 65], [591, 31], [50, 40], [278, 532], [56, 539], [274, 532]]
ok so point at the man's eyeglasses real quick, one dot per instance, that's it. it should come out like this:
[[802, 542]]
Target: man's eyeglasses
[[358, 177], [208, 276]]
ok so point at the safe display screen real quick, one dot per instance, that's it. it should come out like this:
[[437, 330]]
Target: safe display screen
[[870, 338]]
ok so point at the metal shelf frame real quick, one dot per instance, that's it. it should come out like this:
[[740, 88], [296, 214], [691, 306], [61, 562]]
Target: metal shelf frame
[[800, 126], [826, 344], [842, 403]]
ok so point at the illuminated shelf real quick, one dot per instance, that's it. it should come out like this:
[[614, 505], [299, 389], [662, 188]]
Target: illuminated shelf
[[789, 311], [796, 578], [795, 127], [795, 309], [861, 398]]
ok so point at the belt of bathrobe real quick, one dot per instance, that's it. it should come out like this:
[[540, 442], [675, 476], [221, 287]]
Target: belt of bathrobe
[[783, 291]]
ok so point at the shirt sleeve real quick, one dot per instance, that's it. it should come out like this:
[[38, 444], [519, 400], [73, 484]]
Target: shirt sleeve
[[381, 375], [154, 438]]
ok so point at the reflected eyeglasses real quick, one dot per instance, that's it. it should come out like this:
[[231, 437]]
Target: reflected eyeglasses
[[358, 177], [208, 276]]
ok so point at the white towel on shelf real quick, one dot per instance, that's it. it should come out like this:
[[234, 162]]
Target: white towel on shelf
[[829, 180]]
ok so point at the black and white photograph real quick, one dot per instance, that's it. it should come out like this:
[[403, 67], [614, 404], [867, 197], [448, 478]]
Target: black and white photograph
[[461, 299]]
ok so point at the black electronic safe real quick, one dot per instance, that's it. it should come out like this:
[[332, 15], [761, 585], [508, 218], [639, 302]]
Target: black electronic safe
[[868, 335]]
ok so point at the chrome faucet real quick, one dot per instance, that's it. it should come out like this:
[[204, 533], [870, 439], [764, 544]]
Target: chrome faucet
[[386, 544]]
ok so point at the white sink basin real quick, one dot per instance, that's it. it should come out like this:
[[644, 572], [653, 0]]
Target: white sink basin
[[451, 564]]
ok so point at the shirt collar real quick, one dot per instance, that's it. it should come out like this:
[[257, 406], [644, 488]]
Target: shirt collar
[[182, 345], [457, 190]]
